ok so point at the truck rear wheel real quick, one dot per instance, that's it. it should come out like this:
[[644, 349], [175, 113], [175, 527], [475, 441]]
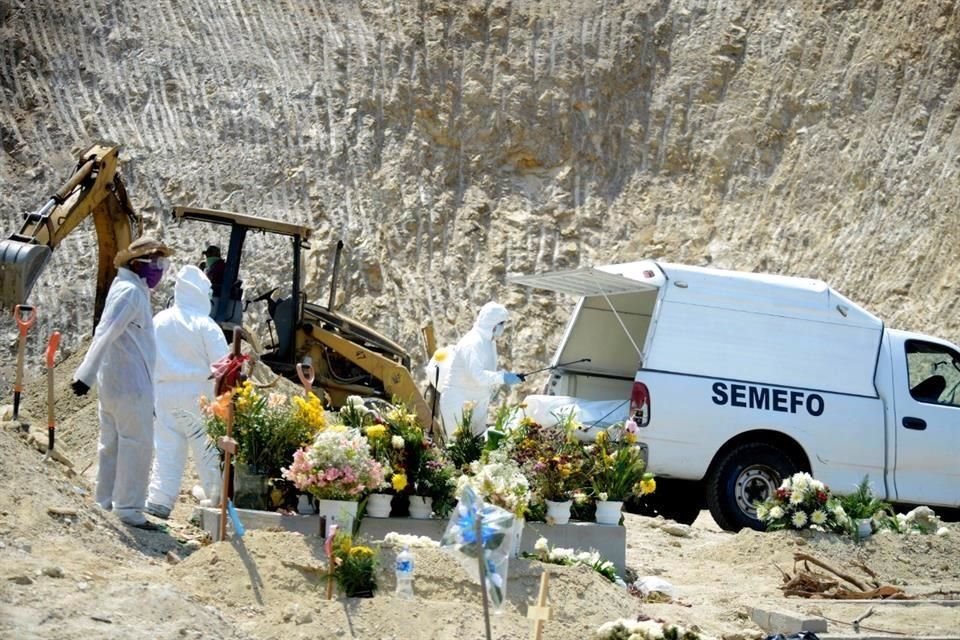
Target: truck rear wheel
[[747, 474]]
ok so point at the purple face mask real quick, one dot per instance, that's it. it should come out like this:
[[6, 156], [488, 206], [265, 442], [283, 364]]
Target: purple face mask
[[151, 271]]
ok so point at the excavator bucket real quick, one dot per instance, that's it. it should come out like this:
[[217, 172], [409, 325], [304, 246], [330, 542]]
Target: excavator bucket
[[20, 265]]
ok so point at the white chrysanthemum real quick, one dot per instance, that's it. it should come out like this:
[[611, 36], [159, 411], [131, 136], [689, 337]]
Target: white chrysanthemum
[[763, 512], [603, 496], [397, 442], [561, 553], [818, 516], [776, 512], [799, 519], [540, 544], [797, 497]]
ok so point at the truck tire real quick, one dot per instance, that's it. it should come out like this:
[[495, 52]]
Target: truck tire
[[677, 500], [748, 473]]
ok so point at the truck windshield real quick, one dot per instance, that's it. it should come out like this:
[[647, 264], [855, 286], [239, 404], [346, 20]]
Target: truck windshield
[[934, 373]]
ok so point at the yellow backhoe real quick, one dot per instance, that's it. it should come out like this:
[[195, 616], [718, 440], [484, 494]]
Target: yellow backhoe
[[348, 357]]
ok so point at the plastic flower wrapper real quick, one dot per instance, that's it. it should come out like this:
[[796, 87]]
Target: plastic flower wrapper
[[460, 538]]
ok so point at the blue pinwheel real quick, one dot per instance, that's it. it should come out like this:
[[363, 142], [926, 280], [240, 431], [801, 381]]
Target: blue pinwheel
[[479, 532]]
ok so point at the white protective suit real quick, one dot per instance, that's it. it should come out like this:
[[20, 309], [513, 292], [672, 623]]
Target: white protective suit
[[472, 375], [188, 342], [120, 361]]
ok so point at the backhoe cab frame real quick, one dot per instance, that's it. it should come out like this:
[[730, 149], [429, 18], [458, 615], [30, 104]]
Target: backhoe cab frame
[[349, 358]]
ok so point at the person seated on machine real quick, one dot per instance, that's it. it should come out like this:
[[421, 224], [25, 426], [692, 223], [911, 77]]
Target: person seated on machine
[[213, 267]]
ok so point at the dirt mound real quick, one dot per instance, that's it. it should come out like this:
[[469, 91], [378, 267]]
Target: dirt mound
[[718, 576], [278, 578]]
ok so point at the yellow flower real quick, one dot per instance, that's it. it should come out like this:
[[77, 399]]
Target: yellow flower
[[440, 355], [361, 551], [629, 438], [376, 431], [602, 438], [399, 481], [647, 486], [310, 410]]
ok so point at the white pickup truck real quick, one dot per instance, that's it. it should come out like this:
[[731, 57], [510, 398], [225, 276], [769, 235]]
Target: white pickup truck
[[739, 379]]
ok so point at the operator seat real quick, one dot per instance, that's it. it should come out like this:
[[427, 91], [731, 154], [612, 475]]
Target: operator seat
[[284, 318], [234, 313], [930, 389]]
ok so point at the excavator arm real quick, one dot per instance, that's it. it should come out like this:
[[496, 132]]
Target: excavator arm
[[95, 188]]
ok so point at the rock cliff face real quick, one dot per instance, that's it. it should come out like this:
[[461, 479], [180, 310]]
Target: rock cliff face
[[449, 144]]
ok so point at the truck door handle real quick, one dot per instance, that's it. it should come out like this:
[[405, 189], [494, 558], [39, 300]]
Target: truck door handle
[[914, 423]]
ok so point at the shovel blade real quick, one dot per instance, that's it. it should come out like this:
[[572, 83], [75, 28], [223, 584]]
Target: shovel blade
[[20, 266]]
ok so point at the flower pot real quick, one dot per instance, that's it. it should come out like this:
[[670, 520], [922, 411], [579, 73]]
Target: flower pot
[[421, 507], [379, 504], [251, 489], [516, 536], [559, 512], [608, 511], [339, 512], [305, 504], [864, 528]]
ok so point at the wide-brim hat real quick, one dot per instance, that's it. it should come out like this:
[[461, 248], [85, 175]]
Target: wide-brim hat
[[144, 246]]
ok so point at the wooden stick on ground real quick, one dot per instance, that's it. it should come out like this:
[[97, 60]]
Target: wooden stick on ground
[[228, 450], [797, 557], [540, 613]]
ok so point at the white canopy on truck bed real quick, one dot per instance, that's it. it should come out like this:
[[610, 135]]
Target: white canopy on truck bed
[[762, 328]]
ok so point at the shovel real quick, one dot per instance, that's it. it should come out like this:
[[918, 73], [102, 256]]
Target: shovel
[[24, 322], [306, 375], [51, 422]]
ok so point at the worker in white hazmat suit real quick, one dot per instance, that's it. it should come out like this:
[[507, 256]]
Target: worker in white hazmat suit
[[188, 343], [120, 362], [472, 375]]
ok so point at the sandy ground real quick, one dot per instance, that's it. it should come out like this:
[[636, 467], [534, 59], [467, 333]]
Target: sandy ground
[[68, 570]]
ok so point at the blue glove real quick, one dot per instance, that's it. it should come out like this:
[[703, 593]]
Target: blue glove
[[511, 379]]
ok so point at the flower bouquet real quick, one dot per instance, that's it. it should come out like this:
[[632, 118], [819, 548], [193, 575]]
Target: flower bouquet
[[337, 469], [434, 479], [618, 470], [617, 473], [268, 430], [355, 570], [465, 446], [543, 552], [802, 502], [336, 466], [500, 481]]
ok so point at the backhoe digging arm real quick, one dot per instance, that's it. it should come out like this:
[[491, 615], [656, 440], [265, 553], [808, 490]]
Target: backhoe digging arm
[[95, 188]]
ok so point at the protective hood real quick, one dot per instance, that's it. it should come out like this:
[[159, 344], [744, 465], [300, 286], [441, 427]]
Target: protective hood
[[192, 291], [491, 314]]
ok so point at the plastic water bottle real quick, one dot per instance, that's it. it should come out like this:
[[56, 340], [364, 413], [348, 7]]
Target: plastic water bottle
[[404, 571]]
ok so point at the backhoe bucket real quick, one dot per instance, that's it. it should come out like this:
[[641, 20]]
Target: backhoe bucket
[[20, 265]]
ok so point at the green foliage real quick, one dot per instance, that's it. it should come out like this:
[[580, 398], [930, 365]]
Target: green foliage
[[862, 504], [618, 470], [435, 478], [267, 431], [355, 566], [464, 447]]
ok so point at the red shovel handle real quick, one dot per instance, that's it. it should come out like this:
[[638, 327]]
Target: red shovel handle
[[52, 348], [24, 322]]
